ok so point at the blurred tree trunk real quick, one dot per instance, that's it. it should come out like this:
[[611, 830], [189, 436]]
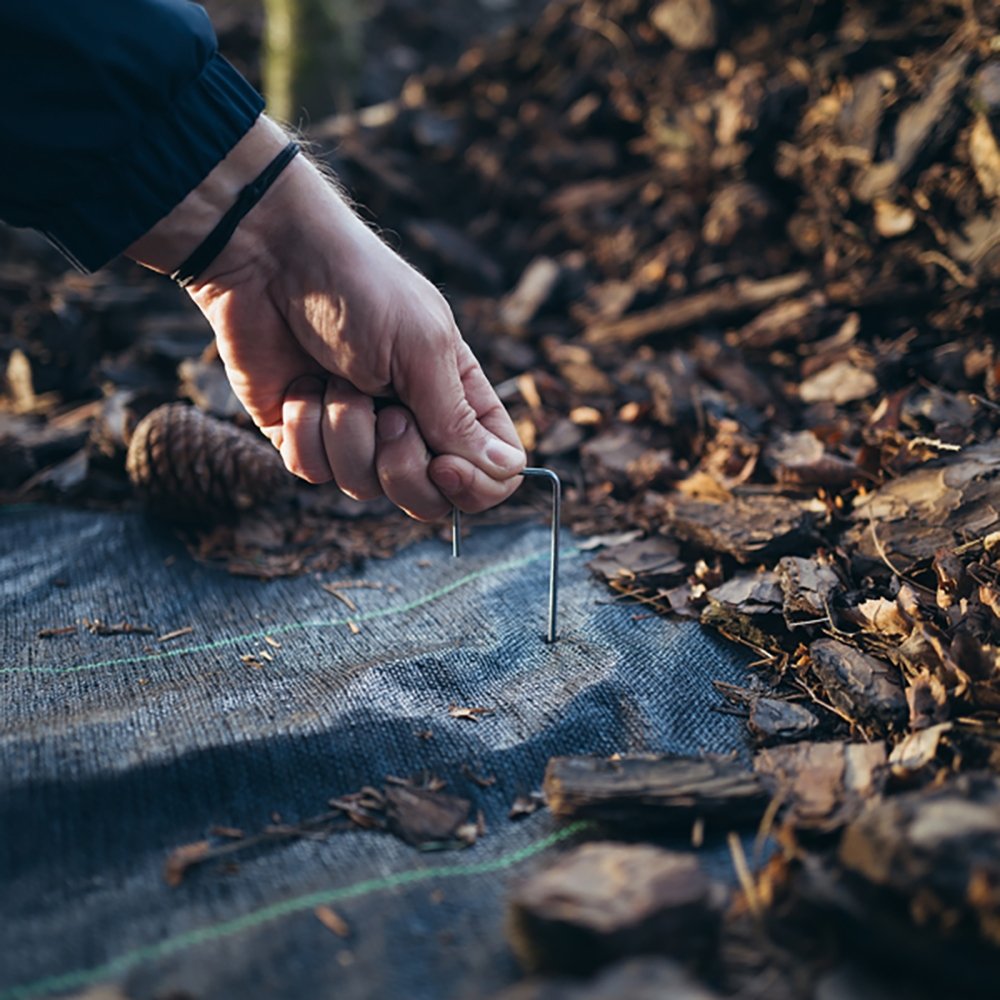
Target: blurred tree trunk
[[313, 57]]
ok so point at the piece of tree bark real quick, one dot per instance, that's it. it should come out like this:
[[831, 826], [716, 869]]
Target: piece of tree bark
[[454, 251], [27, 445], [738, 211], [609, 456], [561, 438], [748, 594], [745, 295], [917, 751], [796, 320], [861, 686], [984, 152], [673, 387], [534, 288], [773, 720], [655, 791], [924, 867], [839, 383], [823, 785], [807, 587], [206, 384], [977, 245], [919, 129], [606, 901], [938, 505], [747, 607], [750, 529], [860, 118], [799, 458]]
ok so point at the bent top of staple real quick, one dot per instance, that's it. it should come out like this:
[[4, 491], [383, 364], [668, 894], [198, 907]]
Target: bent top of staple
[[456, 545]]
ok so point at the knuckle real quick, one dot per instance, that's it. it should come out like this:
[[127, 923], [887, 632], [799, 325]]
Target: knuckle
[[455, 422]]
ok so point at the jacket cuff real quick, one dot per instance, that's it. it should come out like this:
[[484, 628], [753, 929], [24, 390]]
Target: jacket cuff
[[169, 155]]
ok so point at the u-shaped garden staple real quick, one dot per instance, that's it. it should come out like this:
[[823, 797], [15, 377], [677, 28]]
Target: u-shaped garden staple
[[456, 544]]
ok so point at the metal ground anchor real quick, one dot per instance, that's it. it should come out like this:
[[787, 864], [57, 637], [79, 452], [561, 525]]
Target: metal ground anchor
[[456, 544]]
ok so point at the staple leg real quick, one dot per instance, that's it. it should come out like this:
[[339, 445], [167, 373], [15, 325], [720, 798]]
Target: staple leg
[[553, 628]]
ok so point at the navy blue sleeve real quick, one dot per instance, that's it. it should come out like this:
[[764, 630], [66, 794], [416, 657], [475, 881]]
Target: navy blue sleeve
[[112, 111]]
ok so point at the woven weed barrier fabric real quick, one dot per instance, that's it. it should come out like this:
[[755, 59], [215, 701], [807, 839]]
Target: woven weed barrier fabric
[[117, 749]]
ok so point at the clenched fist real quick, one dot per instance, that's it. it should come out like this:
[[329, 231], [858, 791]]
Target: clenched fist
[[316, 319]]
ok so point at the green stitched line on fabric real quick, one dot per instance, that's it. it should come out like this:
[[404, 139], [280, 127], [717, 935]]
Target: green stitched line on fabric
[[366, 616], [204, 935]]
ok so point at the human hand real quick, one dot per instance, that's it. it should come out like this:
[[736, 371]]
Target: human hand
[[315, 319]]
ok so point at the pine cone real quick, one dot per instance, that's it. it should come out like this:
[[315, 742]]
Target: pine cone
[[190, 467]]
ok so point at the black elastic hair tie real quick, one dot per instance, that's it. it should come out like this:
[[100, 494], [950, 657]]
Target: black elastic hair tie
[[211, 246]]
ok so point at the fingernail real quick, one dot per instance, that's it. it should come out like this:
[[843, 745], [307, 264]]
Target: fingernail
[[505, 456], [391, 425], [448, 481]]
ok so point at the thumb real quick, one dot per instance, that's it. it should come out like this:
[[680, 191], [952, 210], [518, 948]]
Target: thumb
[[457, 411]]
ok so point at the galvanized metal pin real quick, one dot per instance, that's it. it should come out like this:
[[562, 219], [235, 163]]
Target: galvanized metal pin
[[456, 544]]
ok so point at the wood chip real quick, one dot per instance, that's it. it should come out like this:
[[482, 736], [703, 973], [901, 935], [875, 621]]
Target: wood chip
[[807, 588], [526, 805], [332, 921], [933, 856], [748, 528], [430, 820], [776, 720], [56, 630], [472, 714], [861, 686], [841, 383], [823, 785], [483, 781], [182, 858], [727, 300], [176, 634], [655, 791], [937, 506], [98, 627], [604, 901], [341, 596]]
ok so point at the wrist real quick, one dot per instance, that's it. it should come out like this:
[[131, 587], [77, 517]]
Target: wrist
[[294, 233], [171, 241]]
